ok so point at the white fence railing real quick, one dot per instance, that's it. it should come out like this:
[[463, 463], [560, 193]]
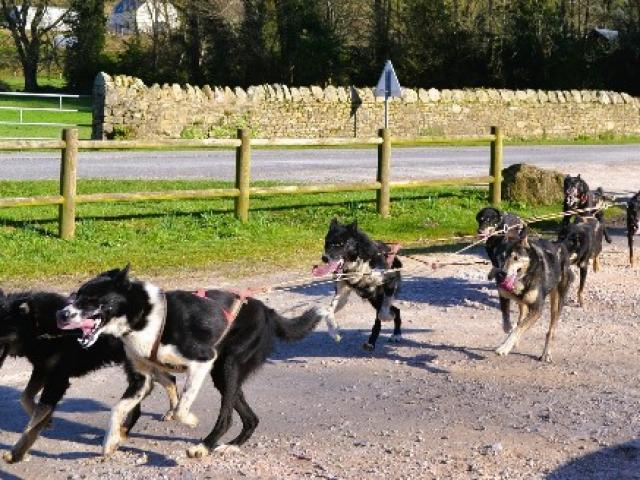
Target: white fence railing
[[60, 108]]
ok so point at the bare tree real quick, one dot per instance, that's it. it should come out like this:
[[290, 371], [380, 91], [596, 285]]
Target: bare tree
[[28, 29]]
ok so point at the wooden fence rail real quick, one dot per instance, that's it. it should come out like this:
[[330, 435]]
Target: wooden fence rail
[[243, 191]]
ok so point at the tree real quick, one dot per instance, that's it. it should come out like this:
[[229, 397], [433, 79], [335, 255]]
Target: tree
[[29, 31], [84, 57]]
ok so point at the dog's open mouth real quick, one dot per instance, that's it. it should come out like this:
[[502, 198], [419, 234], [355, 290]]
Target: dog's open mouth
[[333, 266], [90, 327], [508, 283]]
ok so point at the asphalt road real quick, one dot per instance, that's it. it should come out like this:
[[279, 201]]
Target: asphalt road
[[330, 165]]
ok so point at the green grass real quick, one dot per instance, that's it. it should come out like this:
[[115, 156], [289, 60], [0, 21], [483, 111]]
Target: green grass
[[162, 237], [82, 118]]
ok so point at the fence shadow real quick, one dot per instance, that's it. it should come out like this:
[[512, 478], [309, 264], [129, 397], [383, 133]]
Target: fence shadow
[[619, 462]]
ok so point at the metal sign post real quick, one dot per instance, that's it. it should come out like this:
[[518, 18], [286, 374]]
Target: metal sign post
[[388, 86]]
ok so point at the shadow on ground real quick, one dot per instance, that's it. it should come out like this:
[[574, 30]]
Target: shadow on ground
[[619, 462]]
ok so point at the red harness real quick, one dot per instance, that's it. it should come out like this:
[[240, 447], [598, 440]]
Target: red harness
[[231, 314]]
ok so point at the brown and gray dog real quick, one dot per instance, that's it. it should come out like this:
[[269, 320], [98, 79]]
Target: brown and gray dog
[[530, 270]]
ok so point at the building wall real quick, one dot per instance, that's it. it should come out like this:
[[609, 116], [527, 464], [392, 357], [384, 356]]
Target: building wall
[[125, 107]]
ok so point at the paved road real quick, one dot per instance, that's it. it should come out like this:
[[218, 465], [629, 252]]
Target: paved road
[[329, 165]]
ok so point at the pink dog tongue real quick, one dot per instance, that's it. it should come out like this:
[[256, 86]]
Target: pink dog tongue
[[86, 325], [508, 283], [327, 268]]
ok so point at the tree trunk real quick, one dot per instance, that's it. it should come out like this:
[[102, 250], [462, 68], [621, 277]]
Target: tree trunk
[[30, 70]]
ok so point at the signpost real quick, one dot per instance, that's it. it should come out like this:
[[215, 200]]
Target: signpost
[[388, 86]]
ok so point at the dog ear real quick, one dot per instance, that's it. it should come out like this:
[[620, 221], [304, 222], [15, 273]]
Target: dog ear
[[24, 308], [353, 226], [334, 222], [2, 295], [122, 277], [523, 239]]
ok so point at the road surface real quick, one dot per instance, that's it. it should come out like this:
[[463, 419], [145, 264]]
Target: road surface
[[596, 162]]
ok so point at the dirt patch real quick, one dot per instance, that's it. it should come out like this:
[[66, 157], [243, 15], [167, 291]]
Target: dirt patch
[[438, 405]]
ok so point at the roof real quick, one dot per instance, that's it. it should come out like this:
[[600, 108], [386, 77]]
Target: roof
[[608, 34]]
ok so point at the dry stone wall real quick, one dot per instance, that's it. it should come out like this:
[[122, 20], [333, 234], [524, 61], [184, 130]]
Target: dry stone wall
[[125, 107]]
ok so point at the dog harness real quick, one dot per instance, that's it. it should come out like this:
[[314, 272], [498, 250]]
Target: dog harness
[[229, 316]]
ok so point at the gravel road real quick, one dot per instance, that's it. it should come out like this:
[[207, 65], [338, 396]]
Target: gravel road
[[438, 405], [329, 165]]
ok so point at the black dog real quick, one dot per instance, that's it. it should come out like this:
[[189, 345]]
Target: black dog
[[220, 334], [490, 221], [369, 268], [583, 240], [28, 329], [633, 222], [577, 196], [530, 270]]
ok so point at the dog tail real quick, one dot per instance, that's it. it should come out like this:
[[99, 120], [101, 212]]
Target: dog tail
[[298, 327]]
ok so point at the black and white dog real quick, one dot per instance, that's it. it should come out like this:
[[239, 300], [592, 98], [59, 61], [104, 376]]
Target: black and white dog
[[577, 196], [369, 268], [633, 222], [215, 334], [28, 329]]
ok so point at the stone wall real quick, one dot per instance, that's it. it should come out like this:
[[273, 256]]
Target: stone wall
[[126, 108]]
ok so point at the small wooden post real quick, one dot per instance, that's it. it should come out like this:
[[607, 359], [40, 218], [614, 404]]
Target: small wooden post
[[383, 195], [68, 168], [495, 168], [243, 175]]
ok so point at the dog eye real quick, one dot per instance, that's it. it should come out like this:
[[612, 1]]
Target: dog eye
[[515, 257]]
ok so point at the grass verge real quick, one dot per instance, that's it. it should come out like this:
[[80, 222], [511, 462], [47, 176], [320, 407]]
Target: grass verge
[[160, 237]]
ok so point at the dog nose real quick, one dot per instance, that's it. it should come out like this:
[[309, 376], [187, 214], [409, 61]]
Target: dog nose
[[325, 259], [501, 275]]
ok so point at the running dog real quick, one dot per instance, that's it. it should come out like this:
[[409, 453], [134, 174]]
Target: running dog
[[577, 196], [583, 241], [490, 222], [369, 268], [218, 333], [28, 329], [529, 271], [633, 222]]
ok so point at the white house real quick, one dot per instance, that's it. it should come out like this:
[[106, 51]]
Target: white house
[[51, 15], [128, 16]]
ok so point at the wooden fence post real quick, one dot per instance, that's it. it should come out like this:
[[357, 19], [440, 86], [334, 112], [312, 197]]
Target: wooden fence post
[[495, 169], [68, 167], [243, 175], [383, 195]]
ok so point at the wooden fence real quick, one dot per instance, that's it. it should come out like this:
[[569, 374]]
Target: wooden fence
[[243, 191]]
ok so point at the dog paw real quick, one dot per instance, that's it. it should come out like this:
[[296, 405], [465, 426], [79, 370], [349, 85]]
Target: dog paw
[[199, 451], [226, 449], [109, 447], [502, 351], [368, 347], [546, 357], [189, 419], [395, 338], [8, 457], [167, 417]]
